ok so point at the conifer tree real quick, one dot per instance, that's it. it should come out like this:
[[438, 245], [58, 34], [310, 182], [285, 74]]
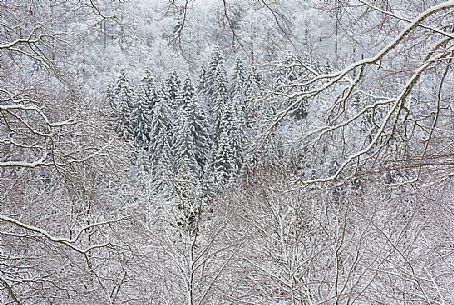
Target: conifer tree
[[148, 90], [191, 151], [228, 156], [215, 92], [184, 148], [171, 92], [141, 115], [160, 147], [201, 86], [239, 79], [254, 118], [140, 121], [122, 101], [192, 141]]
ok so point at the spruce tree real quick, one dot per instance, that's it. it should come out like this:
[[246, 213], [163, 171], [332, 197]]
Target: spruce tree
[[239, 80], [160, 146], [228, 156], [141, 115], [215, 92], [201, 86], [254, 118], [171, 92], [191, 141], [122, 101], [148, 90], [140, 121]]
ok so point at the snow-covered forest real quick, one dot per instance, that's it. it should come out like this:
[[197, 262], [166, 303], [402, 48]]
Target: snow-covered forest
[[226, 152]]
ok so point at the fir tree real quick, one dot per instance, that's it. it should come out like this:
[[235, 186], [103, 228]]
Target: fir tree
[[201, 86], [239, 80], [171, 92], [122, 101], [160, 147], [141, 115], [228, 156], [187, 96], [192, 141], [148, 90], [215, 92], [191, 154], [140, 121], [199, 128]]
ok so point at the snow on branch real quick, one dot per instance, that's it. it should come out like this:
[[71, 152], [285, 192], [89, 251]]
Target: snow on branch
[[71, 243], [348, 87], [439, 31], [38, 111], [29, 40]]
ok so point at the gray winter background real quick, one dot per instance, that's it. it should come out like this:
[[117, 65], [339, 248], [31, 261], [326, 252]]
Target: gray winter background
[[226, 152]]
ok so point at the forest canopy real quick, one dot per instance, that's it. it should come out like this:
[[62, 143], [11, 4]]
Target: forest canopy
[[226, 152]]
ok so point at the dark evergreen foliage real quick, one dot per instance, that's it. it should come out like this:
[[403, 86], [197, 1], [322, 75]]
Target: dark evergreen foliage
[[199, 136], [122, 101]]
